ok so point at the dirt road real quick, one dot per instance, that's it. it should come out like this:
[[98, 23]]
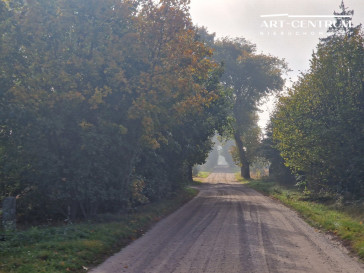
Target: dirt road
[[230, 228]]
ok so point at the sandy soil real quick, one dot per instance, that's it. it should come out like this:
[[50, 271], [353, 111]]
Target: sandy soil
[[230, 228]]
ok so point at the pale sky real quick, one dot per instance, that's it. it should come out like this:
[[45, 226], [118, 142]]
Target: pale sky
[[294, 39]]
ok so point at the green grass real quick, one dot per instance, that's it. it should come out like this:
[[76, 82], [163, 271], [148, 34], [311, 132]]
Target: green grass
[[203, 174], [72, 248], [344, 221]]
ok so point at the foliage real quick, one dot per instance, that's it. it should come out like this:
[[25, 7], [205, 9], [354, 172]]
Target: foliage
[[104, 104], [250, 77], [319, 127], [277, 169], [75, 247]]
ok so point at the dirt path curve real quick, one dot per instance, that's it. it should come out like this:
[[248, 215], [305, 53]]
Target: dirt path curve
[[230, 228]]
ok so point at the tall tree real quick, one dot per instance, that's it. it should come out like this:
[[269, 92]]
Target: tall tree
[[93, 89], [250, 76], [319, 126]]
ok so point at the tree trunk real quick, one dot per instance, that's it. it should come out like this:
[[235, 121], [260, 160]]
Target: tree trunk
[[245, 171], [245, 168], [189, 174]]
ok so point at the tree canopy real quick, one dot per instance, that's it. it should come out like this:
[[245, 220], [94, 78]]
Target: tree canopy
[[319, 127], [250, 77], [102, 103]]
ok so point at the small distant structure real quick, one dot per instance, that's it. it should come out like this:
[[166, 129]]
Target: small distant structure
[[221, 160]]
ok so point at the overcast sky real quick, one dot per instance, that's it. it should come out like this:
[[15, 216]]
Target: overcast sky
[[290, 38]]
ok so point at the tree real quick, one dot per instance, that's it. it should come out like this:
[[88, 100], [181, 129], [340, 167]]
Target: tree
[[319, 126], [277, 169], [181, 89], [250, 76], [92, 90], [68, 102]]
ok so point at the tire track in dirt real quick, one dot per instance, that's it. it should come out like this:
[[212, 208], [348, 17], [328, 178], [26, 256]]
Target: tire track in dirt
[[231, 228]]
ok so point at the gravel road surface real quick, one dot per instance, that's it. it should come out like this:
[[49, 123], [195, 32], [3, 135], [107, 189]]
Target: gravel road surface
[[230, 228]]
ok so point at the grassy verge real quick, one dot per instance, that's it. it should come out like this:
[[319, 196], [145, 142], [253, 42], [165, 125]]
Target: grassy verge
[[73, 248], [201, 176], [344, 221]]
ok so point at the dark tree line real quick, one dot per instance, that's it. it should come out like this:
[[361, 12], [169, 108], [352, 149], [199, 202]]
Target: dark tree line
[[104, 104], [319, 128], [107, 105]]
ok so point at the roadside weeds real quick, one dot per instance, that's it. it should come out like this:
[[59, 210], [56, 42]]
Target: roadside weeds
[[344, 222], [73, 248]]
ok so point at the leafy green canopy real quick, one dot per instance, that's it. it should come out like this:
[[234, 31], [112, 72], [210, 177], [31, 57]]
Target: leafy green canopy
[[91, 91], [319, 127], [249, 77]]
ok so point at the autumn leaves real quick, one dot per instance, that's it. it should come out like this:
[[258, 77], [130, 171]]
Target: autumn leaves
[[92, 92]]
